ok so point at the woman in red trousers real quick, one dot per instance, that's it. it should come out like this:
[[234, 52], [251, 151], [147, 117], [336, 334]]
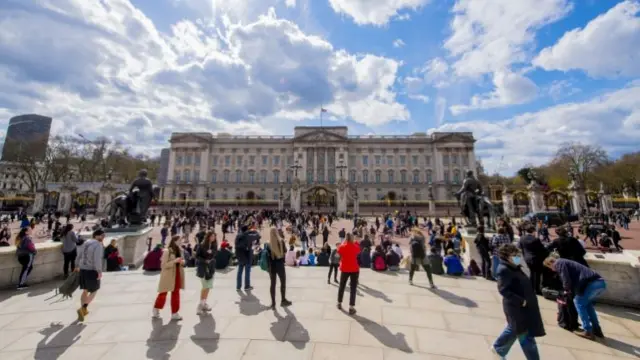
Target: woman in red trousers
[[171, 279]]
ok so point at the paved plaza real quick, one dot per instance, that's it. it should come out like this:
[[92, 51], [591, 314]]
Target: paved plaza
[[395, 321]]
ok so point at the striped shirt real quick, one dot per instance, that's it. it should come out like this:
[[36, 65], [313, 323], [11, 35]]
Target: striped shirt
[[497, 241]]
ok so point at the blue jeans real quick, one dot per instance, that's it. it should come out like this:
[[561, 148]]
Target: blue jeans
[[503, 344], [584, 304], [495, 261], [247, 275]]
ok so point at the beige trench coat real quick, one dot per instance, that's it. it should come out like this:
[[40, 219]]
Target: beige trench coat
[[168, 272]]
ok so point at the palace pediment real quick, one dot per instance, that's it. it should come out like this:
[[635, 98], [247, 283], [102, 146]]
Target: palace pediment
[[454, 138], [183, 138], [320, 136]]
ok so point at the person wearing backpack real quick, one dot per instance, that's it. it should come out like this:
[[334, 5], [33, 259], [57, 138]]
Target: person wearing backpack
[[378, 262], [26, 253], [419, 257], [274, 253]]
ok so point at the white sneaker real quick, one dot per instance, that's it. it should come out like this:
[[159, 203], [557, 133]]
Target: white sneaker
[[176, 317], [155, 313], [200, 310]]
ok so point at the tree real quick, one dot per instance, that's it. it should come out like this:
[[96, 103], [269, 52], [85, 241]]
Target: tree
[[581, 159]]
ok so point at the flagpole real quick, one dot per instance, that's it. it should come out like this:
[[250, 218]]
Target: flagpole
[[321, 111]]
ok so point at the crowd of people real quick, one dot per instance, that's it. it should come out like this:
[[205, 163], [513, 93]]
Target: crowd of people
[[556, 268]]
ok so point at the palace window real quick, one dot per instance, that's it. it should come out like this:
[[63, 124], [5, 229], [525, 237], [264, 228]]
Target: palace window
[[378, 173], [176, 176], [403, 176], [263, 176], [378, 160], [239, 160], [276, 160], [446, 176], [403, 160], [196, 175], [214, 177], [465, 160], [276, 177], [309, 176], [197, 160], [365, 160], [445, 160], [389, 160], [187, 176], [454, 159], [427, 160], [429, 177], [252, 160], [226, 176], [252, 177], [227, 160], [289, 176], [238, 176], [390, 176], [215, 160], [365, 176], [352, 176], [414, 160], [187, 159], [416, 177], [332, 176], [179, 160], [456, 177], [265, 160], [320, 176]]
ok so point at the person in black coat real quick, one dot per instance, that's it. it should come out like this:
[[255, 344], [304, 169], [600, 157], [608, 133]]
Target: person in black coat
[[205, 256], [568, 247], [520, 306], [484, 250], [534, 254]]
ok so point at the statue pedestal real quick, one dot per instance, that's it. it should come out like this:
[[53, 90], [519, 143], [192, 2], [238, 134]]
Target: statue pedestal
[[578, 201], [65, 200], [38, 202], [281, 204], [536, 199], [341, 198], [508, 205], [356, 206], [432, 208]]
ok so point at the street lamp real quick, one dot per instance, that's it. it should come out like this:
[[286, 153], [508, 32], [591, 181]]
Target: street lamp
[[341, 167]]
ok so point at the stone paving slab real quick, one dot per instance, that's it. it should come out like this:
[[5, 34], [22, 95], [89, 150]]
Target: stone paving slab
[[395, 321]]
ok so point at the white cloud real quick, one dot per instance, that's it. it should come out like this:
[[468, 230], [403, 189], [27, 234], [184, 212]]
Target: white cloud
[[436, 72], [510, 89], [612, 121], [419, 97], [106, 70], [398, 43], [491, 35], [290, 3], [608, 46], [560, 89], [375, 12]]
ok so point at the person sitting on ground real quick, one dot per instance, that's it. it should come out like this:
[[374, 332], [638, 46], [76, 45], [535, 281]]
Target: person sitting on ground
[[393, 259], [290, 257], [366, 242], [365, 257], [378, 261], [112, 256], [152, 260], [436, 260], [453, 264], [312, 257], [605, 243], [323, 257], [223, 257], [304, 259], [396, 248]]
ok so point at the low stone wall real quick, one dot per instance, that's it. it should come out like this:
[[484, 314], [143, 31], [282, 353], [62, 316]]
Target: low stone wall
[[49, 261], [620, 271]]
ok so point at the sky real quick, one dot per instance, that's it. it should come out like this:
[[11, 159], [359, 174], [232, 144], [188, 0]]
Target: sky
[[524, 76]]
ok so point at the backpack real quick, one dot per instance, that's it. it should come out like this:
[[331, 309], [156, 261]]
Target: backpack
[[379, 264], [417, 251], [69, 286], [263, 262]]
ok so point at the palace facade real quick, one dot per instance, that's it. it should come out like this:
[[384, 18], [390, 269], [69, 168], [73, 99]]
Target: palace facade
[[224, 169]]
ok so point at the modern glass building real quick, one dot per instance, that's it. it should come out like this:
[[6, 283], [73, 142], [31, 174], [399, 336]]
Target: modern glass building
[[27, 134]]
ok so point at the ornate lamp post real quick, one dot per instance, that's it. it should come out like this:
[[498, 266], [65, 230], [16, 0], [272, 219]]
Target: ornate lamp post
[[295, 168]]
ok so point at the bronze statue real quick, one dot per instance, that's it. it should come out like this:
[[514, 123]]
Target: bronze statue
[[132, 208], [471, 200]]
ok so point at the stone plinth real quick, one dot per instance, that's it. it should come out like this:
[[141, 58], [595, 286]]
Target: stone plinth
[[47, 264], [622, 274], [536, 198], [132, 245]]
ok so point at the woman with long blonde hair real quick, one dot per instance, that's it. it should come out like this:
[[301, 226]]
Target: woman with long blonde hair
[[277, 251]]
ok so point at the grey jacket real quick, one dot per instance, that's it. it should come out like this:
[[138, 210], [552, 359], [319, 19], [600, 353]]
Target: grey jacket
[[69, 242], [90, 255]]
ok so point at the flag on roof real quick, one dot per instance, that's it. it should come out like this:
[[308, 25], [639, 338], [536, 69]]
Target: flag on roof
[[323, 110]]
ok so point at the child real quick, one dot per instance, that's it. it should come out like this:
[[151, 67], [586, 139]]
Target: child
[[304, 260], [334, 261], [312, 258], [453, 264], [290, 257]]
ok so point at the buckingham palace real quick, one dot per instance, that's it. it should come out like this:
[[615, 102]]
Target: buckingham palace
[[318, 167]]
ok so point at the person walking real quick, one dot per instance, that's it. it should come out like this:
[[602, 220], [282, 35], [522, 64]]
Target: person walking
[[349, 270], [484, 249], [276, 251], [334, 262], [26, 253], [205, 269], [520, 305], [171, 279], [418, 251], [499, 239], [70, 244], [244, 254], [325, 235], [90, 256], [534, 253], [585, 284]]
